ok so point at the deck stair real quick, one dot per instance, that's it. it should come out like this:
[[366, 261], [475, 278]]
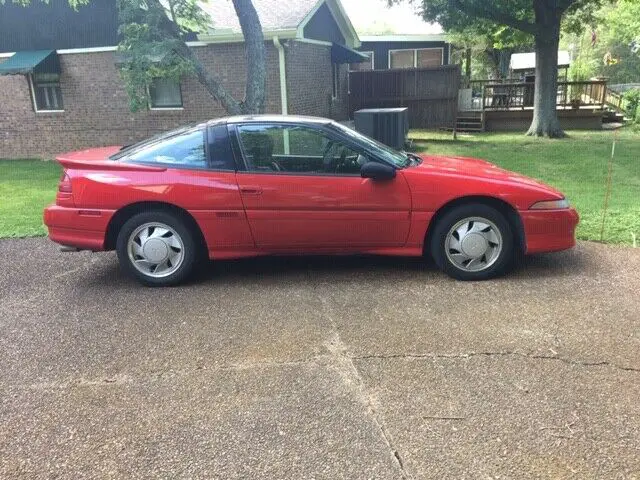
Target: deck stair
[[470, 122]]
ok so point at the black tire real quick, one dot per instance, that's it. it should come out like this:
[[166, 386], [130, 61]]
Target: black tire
[[191, 251], [444, 225]]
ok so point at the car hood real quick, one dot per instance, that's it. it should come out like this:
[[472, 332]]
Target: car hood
[[477, 169]]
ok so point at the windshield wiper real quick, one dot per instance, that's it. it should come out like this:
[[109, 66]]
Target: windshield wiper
[[411, 157]]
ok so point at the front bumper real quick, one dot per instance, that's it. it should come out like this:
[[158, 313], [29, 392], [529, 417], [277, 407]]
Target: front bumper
[[549, 230], [81, 228]]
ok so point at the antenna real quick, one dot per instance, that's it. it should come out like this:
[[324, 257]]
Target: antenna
[[607, 194]]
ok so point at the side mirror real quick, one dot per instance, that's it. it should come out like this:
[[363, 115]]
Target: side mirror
[[377, 171]]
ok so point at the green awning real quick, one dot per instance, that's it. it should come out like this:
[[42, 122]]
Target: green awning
[[342, 54], [35, 61]]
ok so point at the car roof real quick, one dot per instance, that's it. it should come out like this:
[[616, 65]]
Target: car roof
[[270, 118]]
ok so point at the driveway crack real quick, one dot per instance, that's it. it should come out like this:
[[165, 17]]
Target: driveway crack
[[344, 364], [568, 361]]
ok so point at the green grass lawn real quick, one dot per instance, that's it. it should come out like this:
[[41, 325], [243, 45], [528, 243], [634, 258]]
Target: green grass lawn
[[26, 187], [577, 166]]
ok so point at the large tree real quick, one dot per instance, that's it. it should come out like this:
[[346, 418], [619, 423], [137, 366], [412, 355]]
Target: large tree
[[541, 19], [611, 46], [154, 35], [489, 48]]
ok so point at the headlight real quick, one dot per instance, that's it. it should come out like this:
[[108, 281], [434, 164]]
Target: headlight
[[550, 205]]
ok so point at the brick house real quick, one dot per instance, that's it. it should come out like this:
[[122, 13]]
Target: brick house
[[60, 88]]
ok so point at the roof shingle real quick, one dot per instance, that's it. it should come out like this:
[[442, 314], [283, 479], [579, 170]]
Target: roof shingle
[[274, 14]]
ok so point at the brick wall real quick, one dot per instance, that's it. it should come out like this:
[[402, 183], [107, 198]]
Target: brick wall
[[97, 108], [309, 81]]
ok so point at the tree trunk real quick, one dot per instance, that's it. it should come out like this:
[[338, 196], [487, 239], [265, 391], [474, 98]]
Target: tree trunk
[[255, 56], [255, 59], [467, 67], [545, 116]]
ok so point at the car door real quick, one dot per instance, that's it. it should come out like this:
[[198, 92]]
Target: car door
[[302, 190]]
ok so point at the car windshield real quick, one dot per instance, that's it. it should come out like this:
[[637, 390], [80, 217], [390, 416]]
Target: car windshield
[[381, 150], [129, 149]]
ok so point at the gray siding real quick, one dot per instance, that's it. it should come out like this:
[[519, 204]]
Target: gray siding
[[323, 26], [381, 50]]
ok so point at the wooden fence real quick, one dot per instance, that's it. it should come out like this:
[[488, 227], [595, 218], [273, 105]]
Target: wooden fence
[[431, 94]]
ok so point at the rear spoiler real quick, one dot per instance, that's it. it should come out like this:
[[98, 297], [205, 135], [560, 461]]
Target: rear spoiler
[[111, 165]]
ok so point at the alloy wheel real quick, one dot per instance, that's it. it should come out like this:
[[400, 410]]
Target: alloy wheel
[[473, 244]]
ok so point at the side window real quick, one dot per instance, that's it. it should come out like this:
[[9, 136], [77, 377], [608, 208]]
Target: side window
[[296, 150], [47, 92], [186, 149], [220, 150]]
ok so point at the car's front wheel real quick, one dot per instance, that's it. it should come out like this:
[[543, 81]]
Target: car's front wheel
[[157, 249], [473, 242]]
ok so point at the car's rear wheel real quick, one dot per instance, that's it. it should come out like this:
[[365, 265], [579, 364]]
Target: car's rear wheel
[[473, 242], [157, 249]]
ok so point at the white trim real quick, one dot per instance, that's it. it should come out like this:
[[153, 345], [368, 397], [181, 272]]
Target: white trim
[[65, 51], [313, 42], [415, 55], [307, 19], [33, 92], [344, 23], [437, 37], [355, 43], [167, 109], [372, 56], [284, 100], [239, 38], [71, 51]]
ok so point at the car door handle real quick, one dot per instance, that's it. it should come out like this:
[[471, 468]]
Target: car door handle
[[251, 190]]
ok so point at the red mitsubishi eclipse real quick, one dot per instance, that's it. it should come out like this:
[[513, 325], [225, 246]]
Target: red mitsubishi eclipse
[[271, 185]]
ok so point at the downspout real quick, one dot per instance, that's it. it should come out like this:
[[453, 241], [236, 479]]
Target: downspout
[[283, 76], [284, 101]]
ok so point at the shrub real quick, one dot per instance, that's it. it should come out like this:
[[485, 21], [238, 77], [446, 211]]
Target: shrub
[[632, 98]]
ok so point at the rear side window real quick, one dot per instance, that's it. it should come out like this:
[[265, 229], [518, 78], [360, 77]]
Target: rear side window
[[186, 149], [220, 149]]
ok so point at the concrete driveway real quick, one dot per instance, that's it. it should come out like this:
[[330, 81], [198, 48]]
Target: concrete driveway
[[317, 368]]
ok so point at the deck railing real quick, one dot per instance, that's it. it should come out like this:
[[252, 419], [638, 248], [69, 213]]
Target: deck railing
[[616, 100], [514, 95]]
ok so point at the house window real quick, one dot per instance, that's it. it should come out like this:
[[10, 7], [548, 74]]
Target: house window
[[364, 66], [429, 57], [416, 58], [402, 58], [47, 95], [336, 80], [165, 93]]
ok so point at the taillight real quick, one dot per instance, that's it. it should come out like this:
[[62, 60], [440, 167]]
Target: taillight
[[64, 186], [64, 197]]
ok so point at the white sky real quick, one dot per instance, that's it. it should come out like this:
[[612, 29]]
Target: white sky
[[375, 15]]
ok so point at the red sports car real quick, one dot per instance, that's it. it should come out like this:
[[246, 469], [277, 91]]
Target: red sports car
[[264, 185]]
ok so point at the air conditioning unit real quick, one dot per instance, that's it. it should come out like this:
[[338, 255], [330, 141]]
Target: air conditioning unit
[[387, 125]]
